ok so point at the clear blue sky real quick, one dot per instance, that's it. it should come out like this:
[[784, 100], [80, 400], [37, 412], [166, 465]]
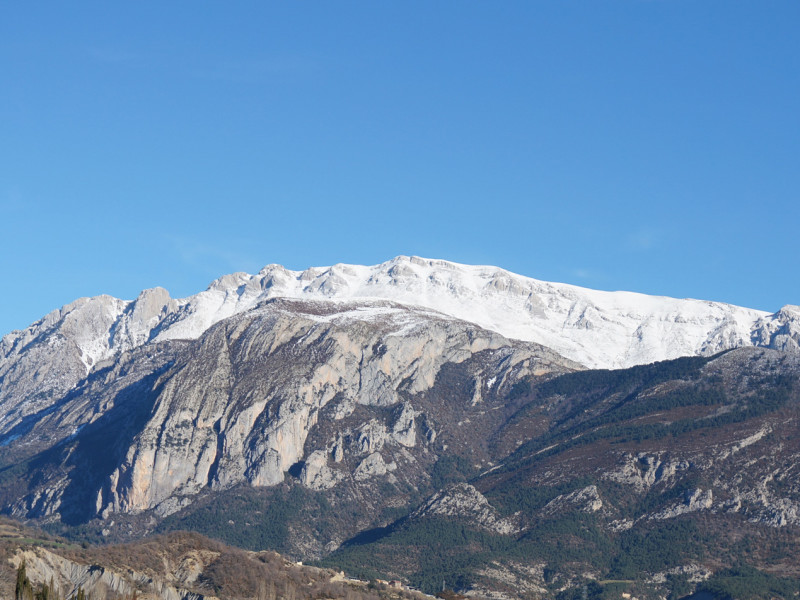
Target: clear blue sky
[[652, 146]]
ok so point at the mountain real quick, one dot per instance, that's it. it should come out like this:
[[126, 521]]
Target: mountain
[[257, 393], [419, 420], [596, 329], [653, 478]]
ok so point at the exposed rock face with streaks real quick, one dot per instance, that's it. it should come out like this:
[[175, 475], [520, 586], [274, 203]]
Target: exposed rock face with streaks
[[780, 331], [463, 501], [586, 499], [597, 329], [645, 470], [178, 566], [662, 469], [43, 565], [238, 404]]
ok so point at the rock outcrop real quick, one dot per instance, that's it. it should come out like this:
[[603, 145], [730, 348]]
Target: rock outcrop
[[67, 576], [463, 501], [586, 499]]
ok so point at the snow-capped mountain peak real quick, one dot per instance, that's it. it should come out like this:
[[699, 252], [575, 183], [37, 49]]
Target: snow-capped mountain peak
[[596, 328]]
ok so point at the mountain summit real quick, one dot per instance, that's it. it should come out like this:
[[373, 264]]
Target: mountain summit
[[598, 329]]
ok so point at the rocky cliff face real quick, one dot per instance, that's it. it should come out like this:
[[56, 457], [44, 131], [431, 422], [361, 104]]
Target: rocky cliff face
[[720, 438], [659, 473], [596, 329], [40, 365], [462, 501], [239, 404], [44, 566]]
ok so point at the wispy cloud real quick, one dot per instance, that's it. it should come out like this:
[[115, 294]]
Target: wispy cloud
[[212, 259], [643, 239], [586, 274]]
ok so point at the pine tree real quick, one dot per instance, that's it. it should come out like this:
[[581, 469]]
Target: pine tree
[[21, 579], [23, 589], [79, 595], [54, 593], [43, 593]]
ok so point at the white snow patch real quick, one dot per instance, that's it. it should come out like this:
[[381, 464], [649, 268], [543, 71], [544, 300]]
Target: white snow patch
[[596, 328]]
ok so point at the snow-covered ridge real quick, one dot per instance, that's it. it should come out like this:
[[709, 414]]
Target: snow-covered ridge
[[596, 328]]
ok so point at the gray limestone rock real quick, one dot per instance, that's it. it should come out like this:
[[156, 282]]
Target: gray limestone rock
[[316, 474], [464, 501], [238, 405], [372, 466]]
